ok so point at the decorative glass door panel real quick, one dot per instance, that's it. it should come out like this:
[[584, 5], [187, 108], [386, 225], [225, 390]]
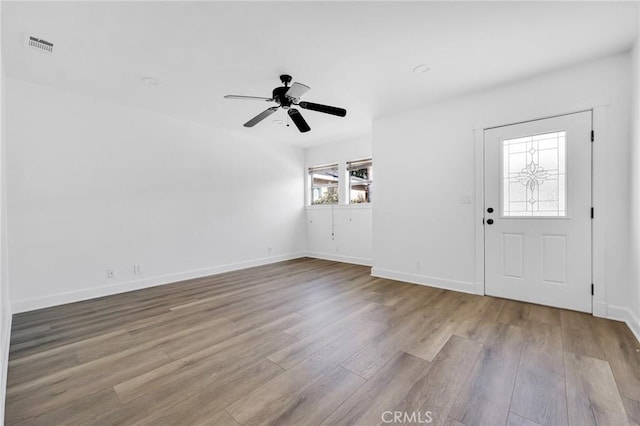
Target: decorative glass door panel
[[534, 176]]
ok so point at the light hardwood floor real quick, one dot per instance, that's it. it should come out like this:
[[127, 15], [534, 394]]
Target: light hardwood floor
[[309, 342]]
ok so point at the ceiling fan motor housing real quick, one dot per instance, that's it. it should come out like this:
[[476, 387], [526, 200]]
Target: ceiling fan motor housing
[[279, 96]]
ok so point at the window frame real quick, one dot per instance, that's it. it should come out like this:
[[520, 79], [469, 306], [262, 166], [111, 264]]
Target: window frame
[[311, 186], [358, 165]]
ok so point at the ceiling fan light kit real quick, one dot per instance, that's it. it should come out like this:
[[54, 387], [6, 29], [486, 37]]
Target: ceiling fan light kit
[[286, 97]]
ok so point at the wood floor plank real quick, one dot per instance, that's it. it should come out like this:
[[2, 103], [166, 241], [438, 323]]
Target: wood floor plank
[[81, 412], [245, 349], [342, 301], [540, 397], [68, 348], [632, 407], [274, 397], [87, 380], [372, 357], [68, 376], [222, 418], [59, 337], [437, 330], [542, 351], [315, 403], [515, 313], [301, 349], [401, 292], [479, 322], [329, 315], [579, 336], [416, 299], [438, 388], [342, 348], [486, 396], [380, 393], [311, 325], [539, 393], [545, 315], [592, 394], [516, 420], [219, 340], [23, 372], [267, 293], [452, 422], [207, 395], [623, 354], [193, 400]]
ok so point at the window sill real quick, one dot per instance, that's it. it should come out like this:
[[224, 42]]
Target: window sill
[[338, 206]]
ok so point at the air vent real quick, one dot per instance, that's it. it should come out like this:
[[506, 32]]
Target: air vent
[[40, 44]]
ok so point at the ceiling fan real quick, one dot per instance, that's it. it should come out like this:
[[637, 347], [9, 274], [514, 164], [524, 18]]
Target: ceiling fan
[[285, 97]]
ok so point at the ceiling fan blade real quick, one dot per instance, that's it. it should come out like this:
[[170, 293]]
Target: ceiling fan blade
[[248, 98], [296, 91], [298, 120], [258, 118], [340, 112]]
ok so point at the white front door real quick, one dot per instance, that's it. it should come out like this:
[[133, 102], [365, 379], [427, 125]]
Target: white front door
[[537, 182]]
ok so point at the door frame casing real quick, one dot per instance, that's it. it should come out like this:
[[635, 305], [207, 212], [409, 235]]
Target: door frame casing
[[599, 108]]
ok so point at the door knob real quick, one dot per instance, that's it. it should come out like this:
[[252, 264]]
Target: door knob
[[490, 210], [490, 221]]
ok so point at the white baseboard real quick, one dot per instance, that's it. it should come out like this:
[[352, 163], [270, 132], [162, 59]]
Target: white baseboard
[[462, 286], [5, 342], [340, 258], [625, 314], [18, 306]]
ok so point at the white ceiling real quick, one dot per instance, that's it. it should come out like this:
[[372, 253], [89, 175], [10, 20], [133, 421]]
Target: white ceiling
[[357, 55]]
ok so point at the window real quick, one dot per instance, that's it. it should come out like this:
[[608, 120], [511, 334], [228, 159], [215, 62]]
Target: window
[[324, 184], [534, 176], [360, 177]]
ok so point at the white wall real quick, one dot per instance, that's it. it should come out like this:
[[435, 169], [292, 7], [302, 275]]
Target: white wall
[[634, 251], [5, 309], [425, 167], [94, 185], [341, 232]]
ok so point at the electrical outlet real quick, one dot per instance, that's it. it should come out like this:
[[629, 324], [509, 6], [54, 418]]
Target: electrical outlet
[[269, 250], [418, 265], [111, 273], [137, 269]]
